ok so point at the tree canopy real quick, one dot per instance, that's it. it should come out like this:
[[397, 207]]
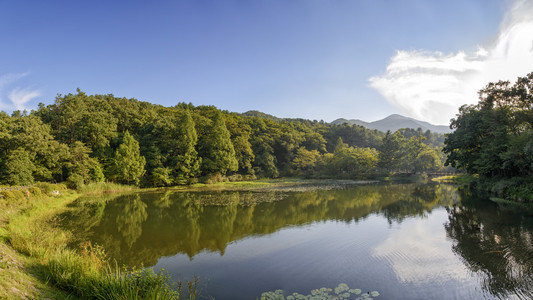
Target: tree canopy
[[82, 138], [494, 138]]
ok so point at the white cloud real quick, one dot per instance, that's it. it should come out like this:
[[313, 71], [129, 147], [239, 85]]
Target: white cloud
[[432, 85], [18, 97]]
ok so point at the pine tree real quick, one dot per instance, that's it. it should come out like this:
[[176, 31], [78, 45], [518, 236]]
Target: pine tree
[[220, 154], [187, 161], [129, 164]]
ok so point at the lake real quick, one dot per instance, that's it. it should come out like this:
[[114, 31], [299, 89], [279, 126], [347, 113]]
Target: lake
[[401, 241]]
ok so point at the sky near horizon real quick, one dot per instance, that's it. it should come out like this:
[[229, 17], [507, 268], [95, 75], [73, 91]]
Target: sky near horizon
[[313, 59]]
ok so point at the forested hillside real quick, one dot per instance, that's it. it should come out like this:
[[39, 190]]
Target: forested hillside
[[90, 138]]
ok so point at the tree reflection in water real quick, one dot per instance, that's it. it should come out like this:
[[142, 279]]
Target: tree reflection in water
[[495, 243], [139, 229]]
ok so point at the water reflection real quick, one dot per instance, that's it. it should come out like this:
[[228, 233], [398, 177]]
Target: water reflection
[[428, 236], [419, 252], [496, 243], [138, 229]]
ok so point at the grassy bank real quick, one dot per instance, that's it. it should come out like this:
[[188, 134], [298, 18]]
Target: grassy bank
[[35, 263]]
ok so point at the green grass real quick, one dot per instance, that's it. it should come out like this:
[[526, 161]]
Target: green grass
[[35, 263], [105, 187], [24, 244], [88, 275]]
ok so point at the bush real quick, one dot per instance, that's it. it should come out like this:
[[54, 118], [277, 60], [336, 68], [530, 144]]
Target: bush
[[75, 181], [12, 197], [8, 196], [192, 180], [235, 177], [35, 191], [249, 177], [49, 188], [213, 178]]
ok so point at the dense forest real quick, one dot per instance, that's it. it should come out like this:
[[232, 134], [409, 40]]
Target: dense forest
[[494, 139], [84, 138]]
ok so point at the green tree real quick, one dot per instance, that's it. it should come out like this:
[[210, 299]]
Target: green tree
[[305, 161], [240, 131], [187, 162], [492, 137], [161, 177], [18, 168], [219, 154], [129, 164], [340, 145], [427, 160], [391, 151], [354, 161], [82, 168]]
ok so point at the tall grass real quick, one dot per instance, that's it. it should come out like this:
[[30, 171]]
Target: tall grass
[[89, 276], [104, 187], [86, 274]]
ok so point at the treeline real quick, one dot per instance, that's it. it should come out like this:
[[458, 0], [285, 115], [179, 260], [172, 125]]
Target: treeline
[[494, 139], [91, 138]]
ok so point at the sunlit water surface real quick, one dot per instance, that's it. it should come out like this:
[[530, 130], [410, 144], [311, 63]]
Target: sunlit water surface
[[406, 241]]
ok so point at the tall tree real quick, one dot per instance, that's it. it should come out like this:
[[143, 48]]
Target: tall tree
[[18, 168], [492, 137], [186, 162], [129, 164], [391, 151], [219, 154]]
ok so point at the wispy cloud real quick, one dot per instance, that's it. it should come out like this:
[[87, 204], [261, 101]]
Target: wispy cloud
[[432, 85], [18, 96]]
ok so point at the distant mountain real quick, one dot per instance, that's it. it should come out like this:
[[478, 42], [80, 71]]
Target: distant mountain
[[395, 122]]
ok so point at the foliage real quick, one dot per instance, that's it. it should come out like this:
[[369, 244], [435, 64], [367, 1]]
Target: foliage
[[494, 138], [217, 148], [85, 273], [18, 168], [129, 164], [80, 139], [89, 276]]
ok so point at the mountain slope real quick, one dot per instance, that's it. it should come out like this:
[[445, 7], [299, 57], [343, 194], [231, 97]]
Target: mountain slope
[[395, 122]]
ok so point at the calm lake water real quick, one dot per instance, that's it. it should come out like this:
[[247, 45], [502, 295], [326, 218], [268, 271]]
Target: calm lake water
[[406, 241]]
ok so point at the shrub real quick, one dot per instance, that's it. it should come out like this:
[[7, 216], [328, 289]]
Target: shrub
[[35, 191], [192, 181], [8, 196], [75, 181], [249, 177], [213, 178], [49, 188], [235, 177], [13, 197]]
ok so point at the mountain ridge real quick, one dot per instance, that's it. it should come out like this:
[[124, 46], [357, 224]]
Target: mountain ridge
[[395, 122]]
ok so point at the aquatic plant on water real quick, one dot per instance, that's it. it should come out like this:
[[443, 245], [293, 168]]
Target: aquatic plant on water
[[341, 292]]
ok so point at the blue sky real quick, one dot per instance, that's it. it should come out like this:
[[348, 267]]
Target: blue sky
[[315, 59]]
